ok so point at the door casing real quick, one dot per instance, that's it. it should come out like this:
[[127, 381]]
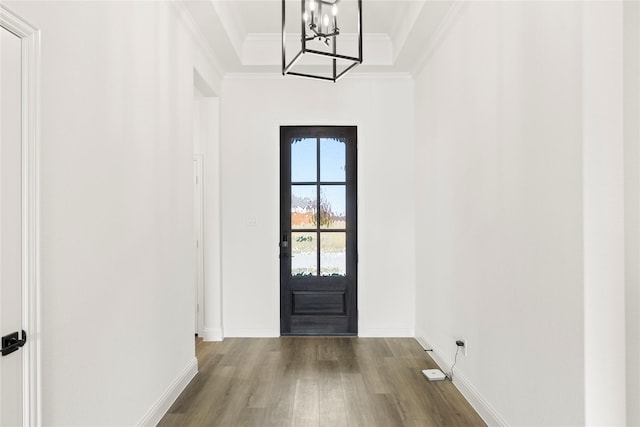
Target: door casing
[[198, 206], [30, 44]]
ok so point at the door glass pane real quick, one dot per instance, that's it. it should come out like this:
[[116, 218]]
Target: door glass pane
[[333, 207], [304, 160], [303, 206], [332, 160], [304, 254], [333, 254]]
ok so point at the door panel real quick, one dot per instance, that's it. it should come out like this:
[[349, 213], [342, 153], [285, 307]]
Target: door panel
[[318, 224], [11, 365]]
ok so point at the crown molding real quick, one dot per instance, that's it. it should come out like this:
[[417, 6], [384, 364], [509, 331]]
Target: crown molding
[[447, 22], [185, 16], [258, 53], [402, 28], [349, 76], [234, 29]]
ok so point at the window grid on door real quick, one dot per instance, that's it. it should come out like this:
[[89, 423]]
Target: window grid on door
[[325, 207]]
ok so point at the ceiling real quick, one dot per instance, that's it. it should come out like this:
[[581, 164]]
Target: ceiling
[[246, 34]]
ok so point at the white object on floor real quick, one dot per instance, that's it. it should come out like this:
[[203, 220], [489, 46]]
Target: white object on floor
[[434, 374]]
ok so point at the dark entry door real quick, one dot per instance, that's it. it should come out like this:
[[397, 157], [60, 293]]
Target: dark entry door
[[318, 230]]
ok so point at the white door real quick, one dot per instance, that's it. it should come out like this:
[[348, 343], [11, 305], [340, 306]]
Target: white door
[[11, 365]]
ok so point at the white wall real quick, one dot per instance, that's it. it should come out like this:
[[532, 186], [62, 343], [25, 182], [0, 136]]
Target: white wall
[[632, 205], [252, 110], [528, 202], [116, 208], [603, 228], [499, 209]]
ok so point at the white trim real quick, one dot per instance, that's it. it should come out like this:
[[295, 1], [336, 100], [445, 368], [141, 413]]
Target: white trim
[[487, 412], [199, 237], [232, 27], [212, 334], [30, 40], [386, 332], [162, 405], [212, 309], [275, 229], [403, 27], [251, 333], [355, 75], [449, 19], [184, 15]]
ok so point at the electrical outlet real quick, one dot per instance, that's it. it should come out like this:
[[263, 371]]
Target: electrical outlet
[[465, 347]]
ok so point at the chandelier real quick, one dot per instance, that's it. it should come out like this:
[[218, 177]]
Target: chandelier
[[326, 50]]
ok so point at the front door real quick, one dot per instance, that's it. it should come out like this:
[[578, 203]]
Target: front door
[[318, 230], [11, 362]]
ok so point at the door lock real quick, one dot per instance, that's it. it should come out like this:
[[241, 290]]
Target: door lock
[[11, 342]]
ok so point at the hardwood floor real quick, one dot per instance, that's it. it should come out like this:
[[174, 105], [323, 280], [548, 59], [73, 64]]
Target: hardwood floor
[[319, 381]]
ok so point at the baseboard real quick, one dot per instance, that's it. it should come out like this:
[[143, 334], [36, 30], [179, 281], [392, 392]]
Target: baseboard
[[250, 333], [487, 412], [386, 332], [157, 411], [363, 332], [212, 334]]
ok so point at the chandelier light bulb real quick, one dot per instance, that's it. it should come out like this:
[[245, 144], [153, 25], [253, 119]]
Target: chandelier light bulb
[[325, 20], [334, 10], [312, 5], [305, 17]]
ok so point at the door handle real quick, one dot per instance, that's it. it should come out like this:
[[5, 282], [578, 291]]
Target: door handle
[[11, 342], [284, 246]]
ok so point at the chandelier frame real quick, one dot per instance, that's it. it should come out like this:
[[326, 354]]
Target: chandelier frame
[[287, 68]]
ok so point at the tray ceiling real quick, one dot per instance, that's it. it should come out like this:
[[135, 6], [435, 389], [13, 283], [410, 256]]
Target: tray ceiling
[[245, 35]]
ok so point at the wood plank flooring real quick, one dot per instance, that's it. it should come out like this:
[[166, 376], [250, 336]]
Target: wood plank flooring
[[319, 382]]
